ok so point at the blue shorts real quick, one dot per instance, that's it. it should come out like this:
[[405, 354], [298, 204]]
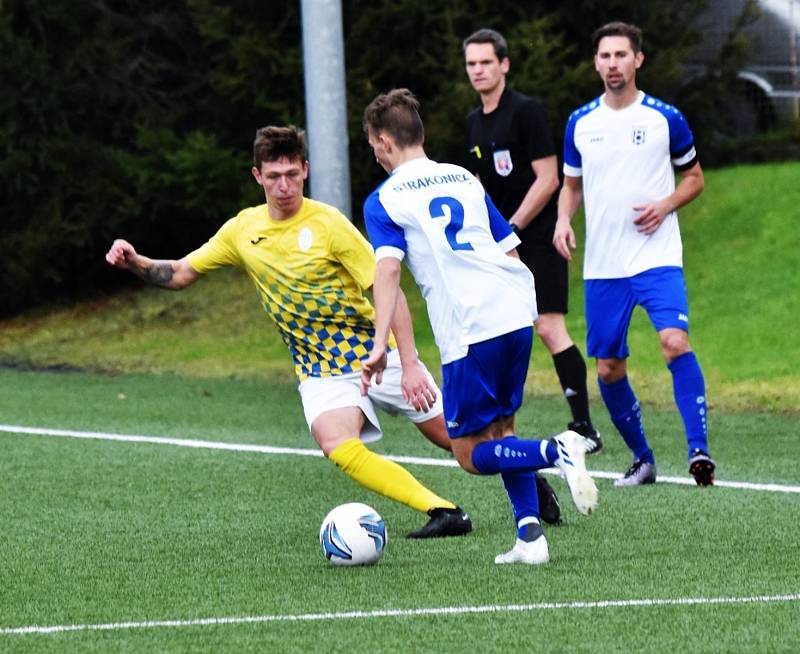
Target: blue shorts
[[661, 292], [487, 384]]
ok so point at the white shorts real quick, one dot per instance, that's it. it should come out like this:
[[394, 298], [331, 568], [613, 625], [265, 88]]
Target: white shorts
[[321, 394]]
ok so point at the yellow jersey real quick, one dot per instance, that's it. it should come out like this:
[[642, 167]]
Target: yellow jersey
[[311, 271]]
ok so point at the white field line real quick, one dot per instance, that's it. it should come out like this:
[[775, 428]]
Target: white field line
[[403, 613], [269, 449]]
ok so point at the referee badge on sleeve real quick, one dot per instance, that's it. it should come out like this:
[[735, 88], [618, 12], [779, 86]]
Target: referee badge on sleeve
[[502, 162]]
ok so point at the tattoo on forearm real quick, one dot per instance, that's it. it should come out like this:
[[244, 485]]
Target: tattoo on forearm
[[158, 273]]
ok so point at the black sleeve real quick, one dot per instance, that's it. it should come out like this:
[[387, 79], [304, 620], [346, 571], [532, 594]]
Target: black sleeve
[[540, 139]]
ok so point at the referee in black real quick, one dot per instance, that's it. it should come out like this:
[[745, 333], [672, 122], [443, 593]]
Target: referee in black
[[512, 151]]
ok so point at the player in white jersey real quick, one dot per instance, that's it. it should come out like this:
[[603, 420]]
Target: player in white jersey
[[621, 152], [481, 304]]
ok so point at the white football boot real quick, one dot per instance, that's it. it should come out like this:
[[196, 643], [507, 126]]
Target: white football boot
[[639, 474], [533, 553], [572, 463]]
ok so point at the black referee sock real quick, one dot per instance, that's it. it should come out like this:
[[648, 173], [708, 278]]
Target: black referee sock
[[571, 371]]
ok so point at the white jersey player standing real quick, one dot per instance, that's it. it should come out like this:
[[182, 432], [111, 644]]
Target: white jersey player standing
[[481, 304], [621, 152]]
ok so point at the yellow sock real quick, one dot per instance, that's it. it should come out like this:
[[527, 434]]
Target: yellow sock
[[385, 477]]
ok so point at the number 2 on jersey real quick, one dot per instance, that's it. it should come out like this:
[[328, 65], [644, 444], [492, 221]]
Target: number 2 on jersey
[[456, 210]]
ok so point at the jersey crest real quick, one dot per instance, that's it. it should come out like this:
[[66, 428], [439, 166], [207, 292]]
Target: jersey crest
[[502, 162], [305, 239]]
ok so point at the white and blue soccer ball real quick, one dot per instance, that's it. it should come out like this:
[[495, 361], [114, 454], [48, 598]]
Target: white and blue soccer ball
[[353, 534]]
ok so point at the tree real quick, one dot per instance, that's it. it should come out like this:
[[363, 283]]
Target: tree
[[108, 126], [136, 117]]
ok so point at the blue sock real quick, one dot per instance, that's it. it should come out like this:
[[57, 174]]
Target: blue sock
[[626, 416], [689, 389], [521, 490], [512, 454]]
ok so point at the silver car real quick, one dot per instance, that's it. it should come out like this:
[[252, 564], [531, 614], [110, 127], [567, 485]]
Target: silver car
[[769, 80]]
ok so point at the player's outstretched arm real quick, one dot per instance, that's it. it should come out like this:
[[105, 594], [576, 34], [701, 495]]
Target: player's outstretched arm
[[417, 388], [167, 273], [385, 289], [569, 199]]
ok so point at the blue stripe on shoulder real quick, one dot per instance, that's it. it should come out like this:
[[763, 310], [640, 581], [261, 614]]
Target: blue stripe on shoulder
[[381, 229], [580, 112], [571, 155], [680, 136]]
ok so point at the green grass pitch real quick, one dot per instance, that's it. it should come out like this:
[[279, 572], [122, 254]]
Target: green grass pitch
[[212, 550], [145, 547]]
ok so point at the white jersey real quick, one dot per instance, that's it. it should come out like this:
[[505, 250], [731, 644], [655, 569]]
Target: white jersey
[[438, 217], [626, 159]]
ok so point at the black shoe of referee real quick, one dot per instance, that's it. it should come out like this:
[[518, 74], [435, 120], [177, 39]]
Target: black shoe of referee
[[594, 445], [549, 508], [444, 522]]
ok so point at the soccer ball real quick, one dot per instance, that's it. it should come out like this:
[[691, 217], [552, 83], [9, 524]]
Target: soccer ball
[[353, 534]]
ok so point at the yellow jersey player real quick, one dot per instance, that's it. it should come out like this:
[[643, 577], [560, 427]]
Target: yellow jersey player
[[311, 267]]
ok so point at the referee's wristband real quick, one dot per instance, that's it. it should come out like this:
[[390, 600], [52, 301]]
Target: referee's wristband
[[515, 228]]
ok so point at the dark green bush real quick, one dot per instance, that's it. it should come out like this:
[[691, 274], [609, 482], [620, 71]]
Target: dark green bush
[[135, 118]]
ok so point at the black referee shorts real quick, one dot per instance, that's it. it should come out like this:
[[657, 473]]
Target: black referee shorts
[[551, 274]]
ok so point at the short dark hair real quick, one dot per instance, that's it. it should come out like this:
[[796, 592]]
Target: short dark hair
[[618, 28], [274, 143], [397, 114], [485, 35]]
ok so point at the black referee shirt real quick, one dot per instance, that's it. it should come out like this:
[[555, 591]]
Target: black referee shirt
[[502, 145]]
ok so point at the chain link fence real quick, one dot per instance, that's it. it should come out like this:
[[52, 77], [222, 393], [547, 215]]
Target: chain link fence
[[760, 40]]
